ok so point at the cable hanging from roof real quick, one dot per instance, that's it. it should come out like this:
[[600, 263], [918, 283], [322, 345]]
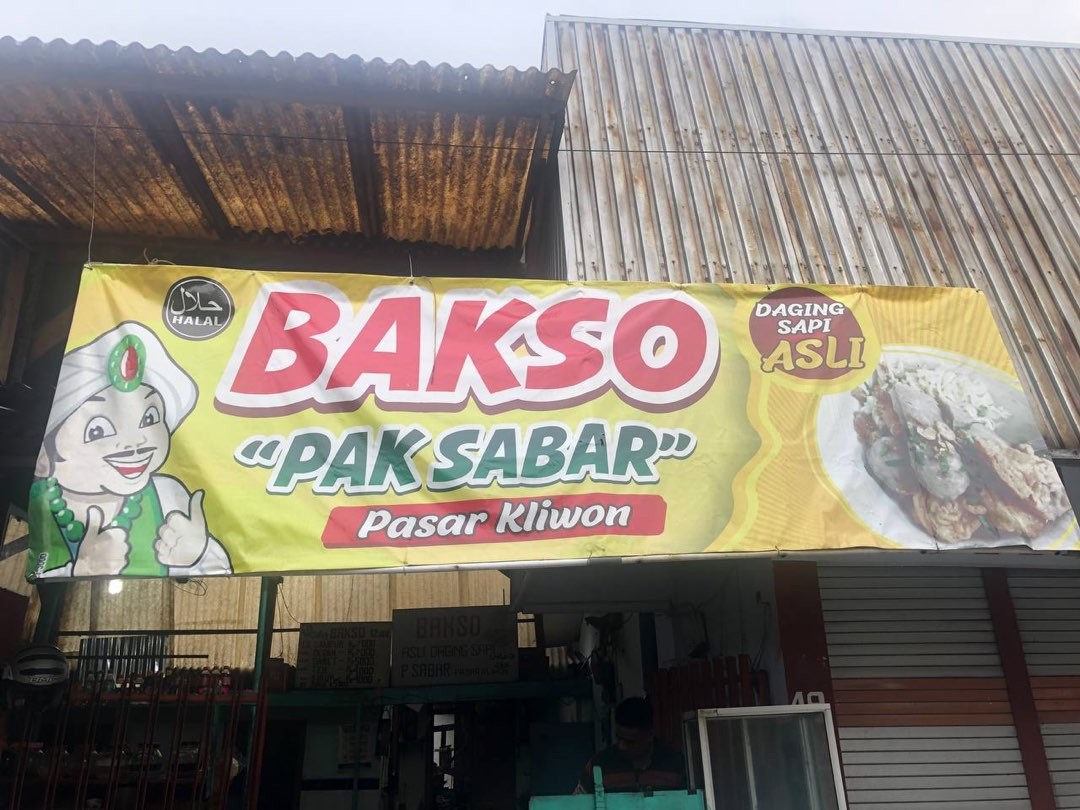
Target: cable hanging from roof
[[93, 184]]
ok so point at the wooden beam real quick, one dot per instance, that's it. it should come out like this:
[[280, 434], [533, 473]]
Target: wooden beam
[[13, 547], [1018, 685], [154, 116], [532, 178], [14, 289], [13, 607], [24, 327], [329, 254], [13, 176], [801, 621], [546, 219], [11, 234], [52, 596], [51, 333], [365, 172], [318, 254]]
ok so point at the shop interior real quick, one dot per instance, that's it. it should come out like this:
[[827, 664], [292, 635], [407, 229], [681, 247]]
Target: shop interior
[[269, 709]]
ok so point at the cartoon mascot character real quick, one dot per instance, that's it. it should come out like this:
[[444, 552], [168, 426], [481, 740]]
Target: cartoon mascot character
[[98, 506]]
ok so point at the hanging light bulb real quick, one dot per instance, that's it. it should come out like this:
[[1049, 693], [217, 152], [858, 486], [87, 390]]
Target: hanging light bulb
[[115, 586]]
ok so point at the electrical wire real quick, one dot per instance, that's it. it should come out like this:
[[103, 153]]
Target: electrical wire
[[280, 632], [281, 595], [529, 148], [198, 589], [281, 642]]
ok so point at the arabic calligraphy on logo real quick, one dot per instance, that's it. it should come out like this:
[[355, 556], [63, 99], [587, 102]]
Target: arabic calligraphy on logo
[[197, 308]]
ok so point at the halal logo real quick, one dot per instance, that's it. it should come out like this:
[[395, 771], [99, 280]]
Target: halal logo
[[197, 308]]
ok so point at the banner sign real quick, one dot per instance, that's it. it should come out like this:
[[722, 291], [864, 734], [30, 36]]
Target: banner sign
[[217, 421], [454, 645]]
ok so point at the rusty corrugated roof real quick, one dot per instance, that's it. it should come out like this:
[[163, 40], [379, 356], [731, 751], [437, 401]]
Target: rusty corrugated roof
[[53, 161], [212, 145], [716, 153], [307, 164]]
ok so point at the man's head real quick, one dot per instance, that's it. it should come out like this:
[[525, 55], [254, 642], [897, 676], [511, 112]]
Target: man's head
[[634, 728]]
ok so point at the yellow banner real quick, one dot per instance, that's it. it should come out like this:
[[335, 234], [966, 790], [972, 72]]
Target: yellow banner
[[213, 421]]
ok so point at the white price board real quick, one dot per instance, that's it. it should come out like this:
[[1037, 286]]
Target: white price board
[[343, 655], [454, 645]]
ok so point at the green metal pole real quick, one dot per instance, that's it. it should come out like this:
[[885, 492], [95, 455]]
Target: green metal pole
[[357, 718], [267, 603]]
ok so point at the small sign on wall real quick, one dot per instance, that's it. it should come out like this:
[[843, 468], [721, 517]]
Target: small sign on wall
[[804, 698], [356, 742], [454, 645], [343, 655]]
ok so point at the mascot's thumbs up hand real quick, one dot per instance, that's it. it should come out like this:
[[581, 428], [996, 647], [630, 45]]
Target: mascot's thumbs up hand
[[182, 539], [102, 552]]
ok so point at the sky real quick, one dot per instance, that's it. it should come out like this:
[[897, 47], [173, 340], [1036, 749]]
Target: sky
[[500, 33]]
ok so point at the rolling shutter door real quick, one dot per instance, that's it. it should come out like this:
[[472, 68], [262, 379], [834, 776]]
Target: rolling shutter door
[[1062, 741], [953, 768], [1047, 605], [908, 623], [920, 698]]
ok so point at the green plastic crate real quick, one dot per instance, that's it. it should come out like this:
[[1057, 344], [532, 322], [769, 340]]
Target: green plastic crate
[[662, 800]]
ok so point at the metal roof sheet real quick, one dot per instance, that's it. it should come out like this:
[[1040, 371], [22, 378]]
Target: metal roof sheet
[[61, 162], [211, 145], [779, 29], [459, 167], [256, 154], [705, 153]]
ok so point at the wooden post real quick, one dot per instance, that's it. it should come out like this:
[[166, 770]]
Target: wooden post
[[801, 622], [51, 595], [14, 284], [803, 644], [19, 354], [1018, 685]]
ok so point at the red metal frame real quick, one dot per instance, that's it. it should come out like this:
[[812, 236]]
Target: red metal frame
[[713, 684], [1018, 685], [207, 787]]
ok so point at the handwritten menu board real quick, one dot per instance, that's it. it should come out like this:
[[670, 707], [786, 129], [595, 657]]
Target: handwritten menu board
[[356, 742], [343, 655], [455, 645]]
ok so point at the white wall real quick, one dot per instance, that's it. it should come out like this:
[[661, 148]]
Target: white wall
[[321, 762]]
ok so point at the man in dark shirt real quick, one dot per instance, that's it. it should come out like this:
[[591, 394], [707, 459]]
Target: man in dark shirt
[[637, 762]]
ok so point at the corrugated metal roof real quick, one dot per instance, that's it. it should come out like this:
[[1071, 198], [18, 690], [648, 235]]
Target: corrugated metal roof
[[451, 174], [20, 206], [302, 158], [137, 189], [700, 153], [211, 145]]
